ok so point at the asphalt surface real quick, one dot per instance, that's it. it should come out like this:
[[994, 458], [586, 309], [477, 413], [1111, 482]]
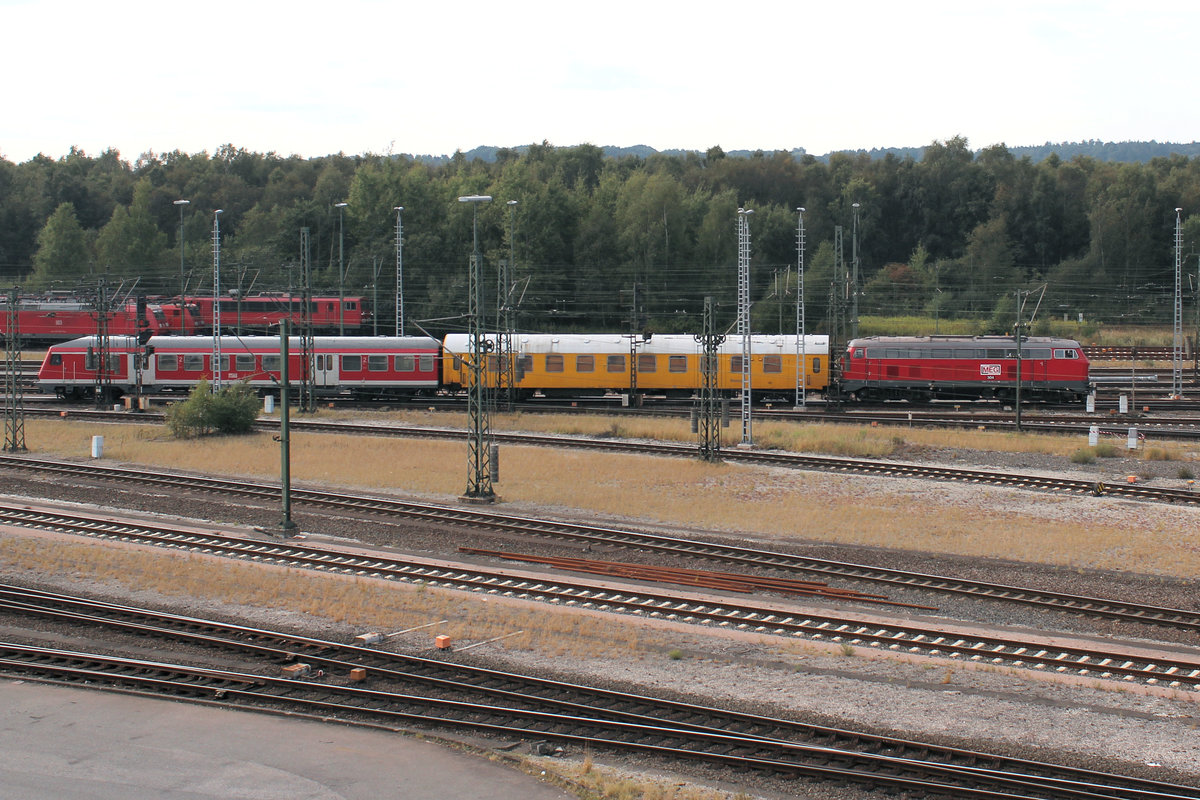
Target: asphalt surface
[[58, 742]]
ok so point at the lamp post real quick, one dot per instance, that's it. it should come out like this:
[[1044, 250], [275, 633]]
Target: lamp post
[[801, 351], [182, 276], [743, 321], [479, 479], [216, 348], [854, 279], [341, 269], [399, 273]]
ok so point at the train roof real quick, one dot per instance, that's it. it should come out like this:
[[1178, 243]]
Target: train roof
[[605, 343], [230, 343], [962, 341]]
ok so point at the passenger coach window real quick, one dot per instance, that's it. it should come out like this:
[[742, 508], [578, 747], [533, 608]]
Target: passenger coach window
[[616, 364], [647, 363], [585, 363], [554, 362], [816, 365], [772, 364], [351, 363], [193, 362], [271, 363], [245, 362], [677, 364], [426, 363], [167, 363], [377, 363], [735, 364], [406, 363]]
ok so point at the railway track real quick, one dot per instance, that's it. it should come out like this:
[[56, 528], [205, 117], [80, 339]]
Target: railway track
[[1184, 619], [369, 686], [855, 466], [1173, 668]]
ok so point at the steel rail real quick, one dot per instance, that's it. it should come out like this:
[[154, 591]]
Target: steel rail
[[1186, 619], [345, 703], [1104, 661]]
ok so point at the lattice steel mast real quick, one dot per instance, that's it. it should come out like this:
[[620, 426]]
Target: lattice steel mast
[[708, 413], [801, 350], [216, 342], [479, 479], [14, 404], [1177, 331], [743, 321]]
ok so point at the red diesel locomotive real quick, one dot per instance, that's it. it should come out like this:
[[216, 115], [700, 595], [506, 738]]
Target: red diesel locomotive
[[43, 321], [923, 368], [258, 313]]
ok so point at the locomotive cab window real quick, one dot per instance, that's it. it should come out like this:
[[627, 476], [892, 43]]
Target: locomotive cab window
[[352, 363], [56, 359], [407, 363], [1066, 354]]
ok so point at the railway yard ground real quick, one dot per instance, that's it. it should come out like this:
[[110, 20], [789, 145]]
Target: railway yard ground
[[1099, 546]]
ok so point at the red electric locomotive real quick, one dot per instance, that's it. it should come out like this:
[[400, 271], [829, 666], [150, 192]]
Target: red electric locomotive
[[923, 368], [258, 313], [363, 366], [40, 321]]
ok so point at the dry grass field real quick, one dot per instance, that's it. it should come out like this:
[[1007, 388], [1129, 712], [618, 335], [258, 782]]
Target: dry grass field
[[761, 503]]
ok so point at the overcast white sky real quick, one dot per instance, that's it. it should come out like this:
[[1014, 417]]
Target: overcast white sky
[[431, 77]]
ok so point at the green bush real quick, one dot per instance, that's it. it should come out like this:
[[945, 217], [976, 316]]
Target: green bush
[[1083, 455], [233, 409]]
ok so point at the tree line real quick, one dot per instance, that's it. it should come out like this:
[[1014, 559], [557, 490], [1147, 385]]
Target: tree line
[[616, 244]]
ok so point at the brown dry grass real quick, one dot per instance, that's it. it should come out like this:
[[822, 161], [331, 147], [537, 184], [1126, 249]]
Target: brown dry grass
[[762, 503]]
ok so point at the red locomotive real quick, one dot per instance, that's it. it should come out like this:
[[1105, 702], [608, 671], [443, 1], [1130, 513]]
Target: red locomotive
[[258, 313], [922, 368], [41, 321], [375, 366]]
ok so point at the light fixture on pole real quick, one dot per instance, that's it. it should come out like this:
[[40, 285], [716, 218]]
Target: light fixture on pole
[[801, 350], [399, 273], [216, 347], [854, 279], [479, 475], [182, 275], [341, 207], [1177, 329], [743, 321]]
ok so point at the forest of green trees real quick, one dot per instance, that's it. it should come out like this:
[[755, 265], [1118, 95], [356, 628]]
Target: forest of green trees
[[626, 243]]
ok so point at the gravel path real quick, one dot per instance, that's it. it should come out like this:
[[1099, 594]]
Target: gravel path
[[1088, 723]]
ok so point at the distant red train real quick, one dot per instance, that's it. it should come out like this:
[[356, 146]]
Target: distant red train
[[46, 321], [923, 368], [258, 313]]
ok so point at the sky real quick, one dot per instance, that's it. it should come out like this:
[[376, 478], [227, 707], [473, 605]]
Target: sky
[[398, 76]]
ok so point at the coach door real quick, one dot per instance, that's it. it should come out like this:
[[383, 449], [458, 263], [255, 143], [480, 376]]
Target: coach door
[[326, 372]]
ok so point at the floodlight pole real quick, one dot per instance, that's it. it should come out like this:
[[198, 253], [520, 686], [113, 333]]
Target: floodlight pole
[[341, 207], [801, 350], [216, 345], [182, 271], [1177, 329], [399, 272], [479, 479], [743, 322]]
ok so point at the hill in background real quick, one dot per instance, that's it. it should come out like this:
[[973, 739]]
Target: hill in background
[[1129, 152]]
